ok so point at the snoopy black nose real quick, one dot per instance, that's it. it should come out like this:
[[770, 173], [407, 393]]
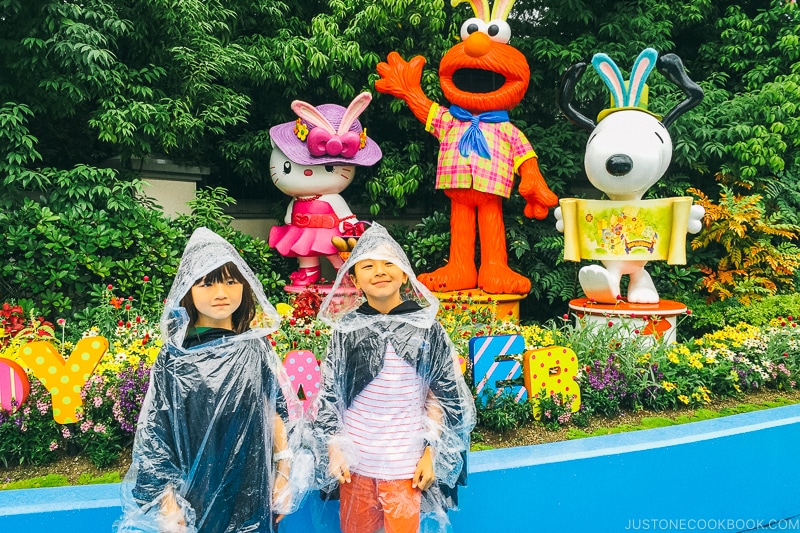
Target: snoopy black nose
[[619, 165]]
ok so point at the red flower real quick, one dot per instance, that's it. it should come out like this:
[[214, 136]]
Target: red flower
[[116, 302], [146, 279]]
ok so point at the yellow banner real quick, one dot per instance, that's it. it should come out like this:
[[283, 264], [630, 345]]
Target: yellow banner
[[644, 230]]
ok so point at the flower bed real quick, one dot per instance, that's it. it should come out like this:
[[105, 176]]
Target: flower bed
[[620, 370]]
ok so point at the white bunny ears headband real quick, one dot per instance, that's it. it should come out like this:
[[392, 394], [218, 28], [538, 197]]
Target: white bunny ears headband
[[625, 95], [327, 134]]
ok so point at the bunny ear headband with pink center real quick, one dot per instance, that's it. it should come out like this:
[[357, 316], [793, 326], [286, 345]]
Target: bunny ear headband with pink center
[[327, 134]]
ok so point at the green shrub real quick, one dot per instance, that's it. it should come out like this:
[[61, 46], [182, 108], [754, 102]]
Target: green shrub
[[709, 317], [502, 412]]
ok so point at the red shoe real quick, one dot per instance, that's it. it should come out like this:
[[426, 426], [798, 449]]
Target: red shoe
[[305, 276]]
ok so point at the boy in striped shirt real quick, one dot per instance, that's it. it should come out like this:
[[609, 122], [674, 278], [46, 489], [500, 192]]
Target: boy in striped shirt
[[394, 414]]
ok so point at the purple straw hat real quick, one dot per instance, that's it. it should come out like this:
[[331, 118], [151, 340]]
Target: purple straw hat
[[327, 134]]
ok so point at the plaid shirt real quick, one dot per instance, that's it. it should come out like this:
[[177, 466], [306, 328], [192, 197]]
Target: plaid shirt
[[508, 146]]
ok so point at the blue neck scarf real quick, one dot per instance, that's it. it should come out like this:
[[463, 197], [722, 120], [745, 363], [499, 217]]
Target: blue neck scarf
[[473, 139]]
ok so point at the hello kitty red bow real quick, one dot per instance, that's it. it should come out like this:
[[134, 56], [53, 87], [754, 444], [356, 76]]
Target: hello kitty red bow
[[324, 139]]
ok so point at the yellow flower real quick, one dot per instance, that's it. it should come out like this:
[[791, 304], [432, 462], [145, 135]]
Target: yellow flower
[[668, 386], [684, 399], [284, 309]]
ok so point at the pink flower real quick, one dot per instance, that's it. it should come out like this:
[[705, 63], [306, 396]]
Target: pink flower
[[61, 321], [98, 401], [65, 433], [53, 446]]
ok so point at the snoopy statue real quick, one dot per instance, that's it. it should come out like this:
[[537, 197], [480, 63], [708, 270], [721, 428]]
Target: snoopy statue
[[628, 151]]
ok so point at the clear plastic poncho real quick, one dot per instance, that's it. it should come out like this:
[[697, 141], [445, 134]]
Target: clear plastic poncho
[[203, 450], [356, 356]]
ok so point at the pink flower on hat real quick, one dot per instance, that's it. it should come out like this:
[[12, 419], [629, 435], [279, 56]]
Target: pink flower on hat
[[327, 134]]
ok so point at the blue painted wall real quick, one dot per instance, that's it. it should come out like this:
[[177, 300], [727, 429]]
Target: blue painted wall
[[731, 474]]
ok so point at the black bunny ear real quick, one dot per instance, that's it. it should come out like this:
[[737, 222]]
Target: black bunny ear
[[671, 67], [566, 91]]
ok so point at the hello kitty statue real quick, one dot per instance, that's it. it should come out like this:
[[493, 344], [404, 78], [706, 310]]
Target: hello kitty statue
[[313, 160]]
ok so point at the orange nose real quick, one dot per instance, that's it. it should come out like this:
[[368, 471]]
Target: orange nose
[[477, 44]]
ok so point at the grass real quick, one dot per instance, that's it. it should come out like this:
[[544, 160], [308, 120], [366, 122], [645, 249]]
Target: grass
[[535, 433], [652, 422], [60, 480]]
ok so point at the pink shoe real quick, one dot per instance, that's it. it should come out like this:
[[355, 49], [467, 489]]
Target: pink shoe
[[305, 276]]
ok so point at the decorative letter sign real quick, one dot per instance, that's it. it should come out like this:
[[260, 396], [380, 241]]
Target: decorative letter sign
[[303, 369], [14, 385], [64, 379], [554, 369], [493, 366]]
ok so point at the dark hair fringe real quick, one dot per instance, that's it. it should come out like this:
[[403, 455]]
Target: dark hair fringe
[[247, 309]]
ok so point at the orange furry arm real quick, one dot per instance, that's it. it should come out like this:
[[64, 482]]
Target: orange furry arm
[[533, 188], [401, 79]]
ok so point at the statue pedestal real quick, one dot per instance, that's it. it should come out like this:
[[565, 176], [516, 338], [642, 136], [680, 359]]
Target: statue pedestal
[[659, 319], [297, 289], [506, 305]]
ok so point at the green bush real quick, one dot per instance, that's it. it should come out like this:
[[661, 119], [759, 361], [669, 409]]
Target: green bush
[[708, 317], [502, 412]]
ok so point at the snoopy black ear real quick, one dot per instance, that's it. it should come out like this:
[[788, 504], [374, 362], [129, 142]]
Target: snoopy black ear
[[671, 67], [566, 91]]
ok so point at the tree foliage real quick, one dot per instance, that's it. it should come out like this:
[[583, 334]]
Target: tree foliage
[[204, 80]]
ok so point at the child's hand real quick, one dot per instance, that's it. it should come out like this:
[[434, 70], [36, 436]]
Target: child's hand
[[171, 512], [281, 494], [338, 464], [424, 475]]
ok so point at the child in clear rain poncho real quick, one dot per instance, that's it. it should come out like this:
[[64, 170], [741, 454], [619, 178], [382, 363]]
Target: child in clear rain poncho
[[217, 445], [394, 414]]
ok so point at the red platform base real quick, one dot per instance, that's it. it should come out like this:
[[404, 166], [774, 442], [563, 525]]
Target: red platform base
[[659, 319]]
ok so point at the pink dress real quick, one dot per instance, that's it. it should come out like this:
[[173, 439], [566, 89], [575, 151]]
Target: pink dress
[[314, 224]]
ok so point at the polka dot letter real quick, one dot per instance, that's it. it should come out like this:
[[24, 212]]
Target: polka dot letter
[[64, 379], [552, 370]]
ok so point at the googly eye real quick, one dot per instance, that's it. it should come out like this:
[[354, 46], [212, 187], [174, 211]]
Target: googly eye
[[499, 31], [287, 167], [470, 26]]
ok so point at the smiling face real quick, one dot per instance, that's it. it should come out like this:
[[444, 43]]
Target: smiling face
[[296, 180], [380, 281], [483, 73]]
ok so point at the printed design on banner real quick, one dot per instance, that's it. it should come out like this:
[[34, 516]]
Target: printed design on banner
[[64, 379], [494, 366]]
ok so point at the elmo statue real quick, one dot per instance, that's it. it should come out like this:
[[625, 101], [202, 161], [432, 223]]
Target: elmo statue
[[483, 77]]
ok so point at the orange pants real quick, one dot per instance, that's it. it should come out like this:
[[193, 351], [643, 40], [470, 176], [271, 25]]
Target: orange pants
[[368, 504]]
